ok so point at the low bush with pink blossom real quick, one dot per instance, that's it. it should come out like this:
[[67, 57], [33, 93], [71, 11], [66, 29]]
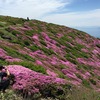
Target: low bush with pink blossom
[[29, 82]]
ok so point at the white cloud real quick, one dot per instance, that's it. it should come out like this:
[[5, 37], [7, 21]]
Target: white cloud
[[76, 19], [48, 10], [31, 8]]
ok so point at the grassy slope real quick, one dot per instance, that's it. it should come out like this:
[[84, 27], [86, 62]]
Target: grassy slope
[[59, 50]]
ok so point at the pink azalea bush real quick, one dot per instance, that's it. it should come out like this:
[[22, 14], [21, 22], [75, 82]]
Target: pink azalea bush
[[89, 62], [31, 81], [39, 62], [35, 37], [51, 73], [11, 59], [72, 76], [84, 50], [59, 35], [3, 54]]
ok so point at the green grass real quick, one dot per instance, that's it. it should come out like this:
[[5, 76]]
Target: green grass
[[14, 53], [29, 32], [12, 20], [47, 51], [31, 66], [83, 93], [3, 62], [85, 67], [15, 32]]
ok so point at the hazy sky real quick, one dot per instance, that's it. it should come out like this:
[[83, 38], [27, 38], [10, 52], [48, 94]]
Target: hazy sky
[[72, 13]]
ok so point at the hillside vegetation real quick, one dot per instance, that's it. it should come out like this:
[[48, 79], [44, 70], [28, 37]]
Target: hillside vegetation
[[48, 57]]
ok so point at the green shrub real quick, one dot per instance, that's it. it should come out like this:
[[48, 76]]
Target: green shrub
[[29, 32], [34, 47], [98, 45], [15, 32], [98, 77], [73, 35], [76, 51], [53, 91], [8, 29], [29, 58], [3, 62], [79, 47], [47, 51], [79, 76], [92, 81], [1, 24], [86, 67], [61, 75], [86, 83], [71, 58], [65, 39], [42, 42], [12, 52], [18, 41], [92, 74], [27, 43], [39, 69], [62, 66], [1, 33]]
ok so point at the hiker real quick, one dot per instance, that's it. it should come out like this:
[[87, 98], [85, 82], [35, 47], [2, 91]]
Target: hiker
[[4, 80]]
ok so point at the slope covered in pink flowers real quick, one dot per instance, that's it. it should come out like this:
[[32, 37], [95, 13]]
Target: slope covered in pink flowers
[[58, 53]]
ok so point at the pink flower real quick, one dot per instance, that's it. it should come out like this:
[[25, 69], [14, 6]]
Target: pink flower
[[51, 73], [35, 37], [39, 62]]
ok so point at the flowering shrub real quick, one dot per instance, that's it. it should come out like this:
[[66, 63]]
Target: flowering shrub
[[30, 82], [3, 55], [35, 37], [51, 73], [89, 62], [71, 75]]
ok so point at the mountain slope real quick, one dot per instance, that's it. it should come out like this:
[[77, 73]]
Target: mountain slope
[[54, 50]]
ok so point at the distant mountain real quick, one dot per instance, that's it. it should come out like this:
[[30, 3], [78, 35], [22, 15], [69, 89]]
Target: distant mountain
[[52, 51]]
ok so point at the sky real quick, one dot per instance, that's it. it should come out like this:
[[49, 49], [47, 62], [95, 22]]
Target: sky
[[80, 14]]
